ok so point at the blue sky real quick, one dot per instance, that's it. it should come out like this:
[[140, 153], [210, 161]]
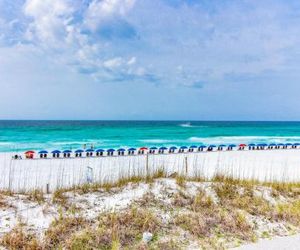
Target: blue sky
[[150, 59]]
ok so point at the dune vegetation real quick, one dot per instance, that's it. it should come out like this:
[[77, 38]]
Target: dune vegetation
[[178, 212]]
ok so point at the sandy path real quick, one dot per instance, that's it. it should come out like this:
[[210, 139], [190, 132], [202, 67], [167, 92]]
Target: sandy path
[[278, 243]]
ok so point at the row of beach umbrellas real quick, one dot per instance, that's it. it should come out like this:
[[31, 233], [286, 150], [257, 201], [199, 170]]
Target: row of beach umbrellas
[[111, 150]]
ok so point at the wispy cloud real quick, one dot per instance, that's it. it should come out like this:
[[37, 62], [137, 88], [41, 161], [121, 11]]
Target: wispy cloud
[[100, 11], [174, 43]]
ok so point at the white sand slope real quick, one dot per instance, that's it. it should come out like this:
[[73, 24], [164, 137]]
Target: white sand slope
[[264, 165], [37, 217]]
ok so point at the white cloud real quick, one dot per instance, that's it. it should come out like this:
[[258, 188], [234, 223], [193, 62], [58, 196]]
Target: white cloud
[[187, 44], [247, 38], [140, 71], [54, 28], [131, 61], [113, 63], [40, 9], [50, 20], [100, 10]]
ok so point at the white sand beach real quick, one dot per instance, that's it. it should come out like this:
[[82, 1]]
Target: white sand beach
[[263, 165]]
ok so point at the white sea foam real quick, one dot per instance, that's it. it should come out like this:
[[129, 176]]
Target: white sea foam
[[244, 139], [160, 141], [225, 139], [5, 143], [66, 143]]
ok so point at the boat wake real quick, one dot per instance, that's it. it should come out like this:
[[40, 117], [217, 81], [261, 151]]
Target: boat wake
[[187, 125]]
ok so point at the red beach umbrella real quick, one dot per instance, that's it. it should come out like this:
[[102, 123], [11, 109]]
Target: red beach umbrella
[[29, 154], [143, 148], [243, 145]]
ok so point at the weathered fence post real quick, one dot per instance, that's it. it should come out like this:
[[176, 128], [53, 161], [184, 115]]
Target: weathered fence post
[[147, 164], [47, 188], [186, 165], [10, 176]]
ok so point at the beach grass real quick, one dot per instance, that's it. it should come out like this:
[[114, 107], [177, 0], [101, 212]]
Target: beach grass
[[214, 218], [20, 238], [36, 195], [221, 211]]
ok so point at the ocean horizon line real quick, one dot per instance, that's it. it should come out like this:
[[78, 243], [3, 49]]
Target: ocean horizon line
[[148, 120]]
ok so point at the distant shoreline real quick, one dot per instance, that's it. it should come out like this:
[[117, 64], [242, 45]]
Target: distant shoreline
[[261, 165]]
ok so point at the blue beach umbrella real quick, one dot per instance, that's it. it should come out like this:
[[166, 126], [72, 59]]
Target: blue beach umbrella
[[173, 148], [202, 146], [193, 146], [212, 146], [99, 150], [296, 144], [89, 150], [232, 146], [288, 144], [67, 151], [153, 148], [111, 150], [79, 151], [222, 145], [163, 148], [183, 147], [43, 152], [132, 149], [280, 144], [272, 144], [251, 145], [262, 145], [55, 152], [121, 150]]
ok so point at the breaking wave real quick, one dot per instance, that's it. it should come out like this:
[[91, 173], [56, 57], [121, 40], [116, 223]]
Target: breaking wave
[[160, 141], [244, 139]]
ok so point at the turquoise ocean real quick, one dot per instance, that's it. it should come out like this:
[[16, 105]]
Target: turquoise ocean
[[24, 135]]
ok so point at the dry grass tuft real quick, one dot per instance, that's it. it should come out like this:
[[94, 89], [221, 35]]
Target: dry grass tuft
[[3, 202], [60, 198], [122, 181], [181, 180], [18, 239], [170, 244], [205, 219], [37, 196], [181, 199], [216, 220], [159, 173], [61, 229], [6, 192], [286, 189], [108, 231], [127, 227], [201, 201], [289, 212]]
